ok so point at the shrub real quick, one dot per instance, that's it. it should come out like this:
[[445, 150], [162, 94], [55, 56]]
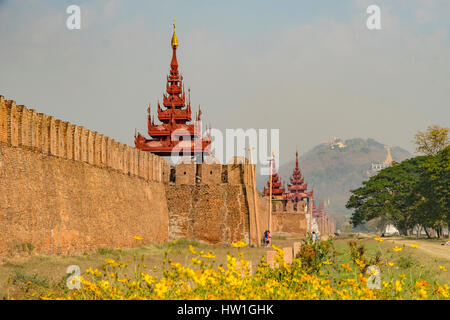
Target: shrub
[[359, 257], [314, 254]]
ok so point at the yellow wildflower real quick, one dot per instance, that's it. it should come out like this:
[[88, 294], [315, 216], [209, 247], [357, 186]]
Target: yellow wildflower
[[192, 249], [161, 288], [398, 286], [208, 255], [351, 282], [111, 262], [327, 290], [423, 293], [148, 278], [360, 263], [346, 267], [239, 244]]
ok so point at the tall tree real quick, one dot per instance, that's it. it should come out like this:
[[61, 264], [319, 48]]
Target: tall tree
[[436, 183], [393, 195], [433, 140]]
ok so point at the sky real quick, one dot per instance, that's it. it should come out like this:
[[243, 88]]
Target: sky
[[311, 69]]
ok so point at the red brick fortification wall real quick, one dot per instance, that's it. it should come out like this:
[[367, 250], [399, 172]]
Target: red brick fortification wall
[[289, 224], [62, 206], [214, 214], [66, 189]]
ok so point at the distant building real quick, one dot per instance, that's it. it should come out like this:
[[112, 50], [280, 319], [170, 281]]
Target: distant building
[[390, 229], [297, 187], [335, 143], [376, 167], [278, 190]]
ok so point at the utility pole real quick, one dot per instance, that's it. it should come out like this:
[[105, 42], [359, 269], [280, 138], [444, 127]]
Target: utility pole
[[270, 194], [255, 207], [310, 215]]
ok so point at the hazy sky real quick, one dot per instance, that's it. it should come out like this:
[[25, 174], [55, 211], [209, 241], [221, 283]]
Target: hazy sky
[[309, 68]]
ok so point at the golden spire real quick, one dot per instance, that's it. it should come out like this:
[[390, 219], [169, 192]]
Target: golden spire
[[388, 160], [174, 37]]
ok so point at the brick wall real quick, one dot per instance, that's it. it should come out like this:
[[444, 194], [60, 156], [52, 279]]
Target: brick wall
[[289, 223], [22, 127], [214, 214], [60, 206], [64, 188]]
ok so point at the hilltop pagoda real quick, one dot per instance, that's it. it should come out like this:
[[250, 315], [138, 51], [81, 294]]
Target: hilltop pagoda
[[278, 191], [175, 136], [297, 187]]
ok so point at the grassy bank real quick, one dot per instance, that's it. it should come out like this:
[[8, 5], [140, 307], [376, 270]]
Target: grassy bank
[[35, 276]]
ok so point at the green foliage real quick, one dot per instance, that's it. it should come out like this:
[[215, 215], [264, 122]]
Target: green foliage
[[314, 254], [413, 192], [432, 141], [437, 180], [106, 251], [360, 258], [19, 276], [392, 194]]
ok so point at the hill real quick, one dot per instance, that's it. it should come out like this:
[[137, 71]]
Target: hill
[[336, 167]]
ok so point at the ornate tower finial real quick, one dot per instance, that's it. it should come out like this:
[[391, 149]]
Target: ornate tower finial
[[174, 114], [174, 37], [388, 160]]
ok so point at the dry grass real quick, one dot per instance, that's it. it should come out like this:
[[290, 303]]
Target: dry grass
[[37, 272], [46, 271]]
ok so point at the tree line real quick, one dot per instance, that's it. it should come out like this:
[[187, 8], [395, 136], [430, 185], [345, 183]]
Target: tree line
[[412, 195]]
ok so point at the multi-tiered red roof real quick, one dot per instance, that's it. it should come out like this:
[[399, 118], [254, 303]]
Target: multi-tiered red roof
[[318, 211], [174, 136], [277, 190], [297, 187]]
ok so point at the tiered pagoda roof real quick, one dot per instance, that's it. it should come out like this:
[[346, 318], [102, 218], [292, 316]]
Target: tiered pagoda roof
[[297, 187], [174, 135], [278, 191], [318, 211]]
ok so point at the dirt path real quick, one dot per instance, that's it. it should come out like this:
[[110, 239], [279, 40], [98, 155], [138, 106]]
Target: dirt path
[[433, 248]]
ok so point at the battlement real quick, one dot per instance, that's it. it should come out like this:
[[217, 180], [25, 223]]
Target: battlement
[[286, 206], [210, 174], [25, 128]]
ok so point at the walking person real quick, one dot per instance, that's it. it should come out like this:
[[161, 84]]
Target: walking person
[[314, 237], [267, 238]]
